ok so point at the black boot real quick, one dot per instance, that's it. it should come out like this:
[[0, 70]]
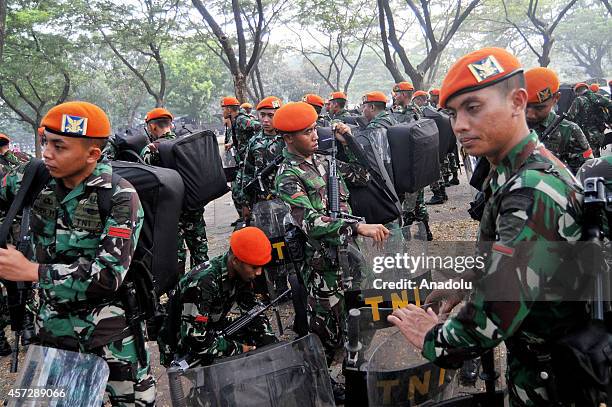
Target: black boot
[[339, 392], [437, 198], [455, 179], [28, 335], [447, 182], [5, 348], [428, 231]]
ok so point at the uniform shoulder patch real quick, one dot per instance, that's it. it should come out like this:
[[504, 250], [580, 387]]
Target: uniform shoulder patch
[[120, 232]]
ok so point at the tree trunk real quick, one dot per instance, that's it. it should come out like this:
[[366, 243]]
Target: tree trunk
[[2, 26], [37, 149], [240, 87]]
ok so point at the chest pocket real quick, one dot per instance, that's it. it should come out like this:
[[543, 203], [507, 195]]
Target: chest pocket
[[86, 223], [44, 216]]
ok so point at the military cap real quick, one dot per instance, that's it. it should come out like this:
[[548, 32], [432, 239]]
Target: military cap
[[246, 105], [542, 84], [271, 102], [337, 95], [580, 85], [434, 92], [294, 116], [594, 87], [313, 99], [251, 246], [477, 70], [229, 101], [77, 119], [403, 86], [375, 96], [4, 137], [158, 113], [419, 93]]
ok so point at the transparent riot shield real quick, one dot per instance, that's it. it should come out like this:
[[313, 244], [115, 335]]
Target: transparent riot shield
[[230, 164], [59, 378], [287, 374], [389, 277]]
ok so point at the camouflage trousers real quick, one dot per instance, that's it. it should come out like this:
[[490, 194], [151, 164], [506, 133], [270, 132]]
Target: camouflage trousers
[[192, 231], [129, 383], [525, 386], [326, 310], [595, 139], [448, 167], [414, 209]]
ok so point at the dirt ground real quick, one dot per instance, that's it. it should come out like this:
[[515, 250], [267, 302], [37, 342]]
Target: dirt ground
[[449, 222]]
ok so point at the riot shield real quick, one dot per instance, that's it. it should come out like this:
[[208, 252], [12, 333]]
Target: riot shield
[[284, 374], [55, 377], [230, 164]]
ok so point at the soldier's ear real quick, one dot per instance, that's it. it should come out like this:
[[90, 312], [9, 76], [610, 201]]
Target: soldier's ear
[[518, 99]]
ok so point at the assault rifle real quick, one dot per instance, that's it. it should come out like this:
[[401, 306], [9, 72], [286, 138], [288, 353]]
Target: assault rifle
[[256, 184], [333, 200], [552, 128]]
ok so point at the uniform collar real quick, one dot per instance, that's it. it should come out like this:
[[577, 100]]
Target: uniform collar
[[517, 156], [102, 175], [292, 159]]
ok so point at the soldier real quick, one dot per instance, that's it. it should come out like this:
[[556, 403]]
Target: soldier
[[592, 112], [420, 98], [337, 106], [434, 97], [403, 102], [567, 142], [210, 291], [239, 129], [80, 260], [373, 108], [301, 182], [484, 92], [261, 151], [247, 107], [317, 102], [192, 227]]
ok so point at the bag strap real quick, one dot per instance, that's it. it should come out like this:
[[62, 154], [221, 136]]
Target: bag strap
[[35, 177]]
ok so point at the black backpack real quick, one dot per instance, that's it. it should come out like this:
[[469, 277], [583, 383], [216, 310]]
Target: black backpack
[[196, 158], [414, 154], [447, 139], [129, 144]]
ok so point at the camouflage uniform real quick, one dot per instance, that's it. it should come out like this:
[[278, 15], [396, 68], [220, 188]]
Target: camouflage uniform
[[207, 294], [535, 206], [341, 115], [592, 112], [568, 143], [262, 150], [244, 127], [191, 226], [382, 120], [303, 185], [411, 111], [82, 263]]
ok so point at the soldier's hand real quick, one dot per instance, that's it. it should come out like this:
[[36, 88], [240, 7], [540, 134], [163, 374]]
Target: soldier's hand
[[14, 266], [342, 131], [414, 323], [448, 300], [376, 231], [228, 146], [227, 122], [246, 348]]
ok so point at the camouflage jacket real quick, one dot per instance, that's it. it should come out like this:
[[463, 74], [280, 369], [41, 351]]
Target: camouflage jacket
[[383, 120], [591, 112], [207, 295], [83, 258], [11, 160], [244, 127], [262, 150], [341, 115], [409, 113], [303, 185], [535, 206], [150, 153], [568, 142]]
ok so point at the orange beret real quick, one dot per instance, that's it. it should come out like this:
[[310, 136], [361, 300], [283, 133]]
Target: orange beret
[[246, 106], [158, 113], [478, 70], [402, 86], [337, 95], [313, 99], [594, 87], [434, 92], [229, 101], [4, 137], [374, 97], [542, 84], [271, 102], [419, 93], [251, 246], [294, 116], [580, 85], [77, 119]]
